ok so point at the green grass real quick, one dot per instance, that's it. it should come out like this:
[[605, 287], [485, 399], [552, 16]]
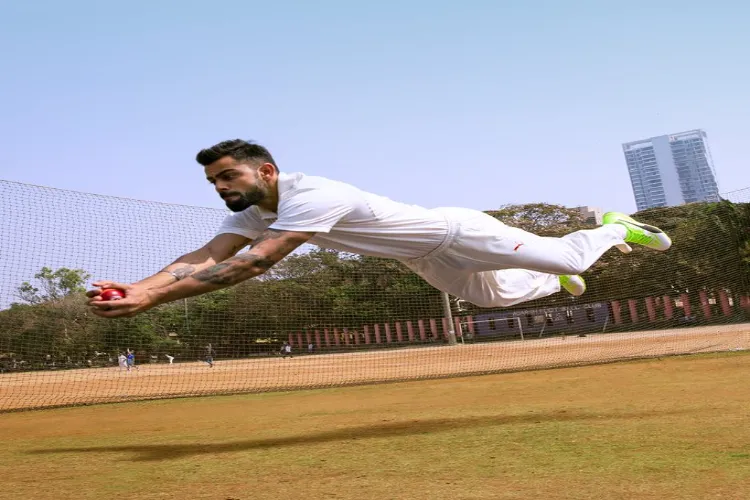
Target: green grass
[[673, 428]]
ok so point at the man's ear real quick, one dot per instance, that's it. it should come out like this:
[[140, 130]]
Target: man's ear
[[267, 171]]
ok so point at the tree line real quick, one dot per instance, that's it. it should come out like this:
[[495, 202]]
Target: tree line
[[50, 322]]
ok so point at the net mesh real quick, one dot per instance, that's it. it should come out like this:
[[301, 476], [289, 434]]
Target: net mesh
[[347, 319]]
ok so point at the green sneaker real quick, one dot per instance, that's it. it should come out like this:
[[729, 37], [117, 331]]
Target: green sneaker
[[573, 284], [639, 233]]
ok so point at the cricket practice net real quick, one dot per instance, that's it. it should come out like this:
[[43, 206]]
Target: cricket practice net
[[346, 319]]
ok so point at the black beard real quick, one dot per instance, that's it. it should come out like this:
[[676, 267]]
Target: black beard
[[243, 201]]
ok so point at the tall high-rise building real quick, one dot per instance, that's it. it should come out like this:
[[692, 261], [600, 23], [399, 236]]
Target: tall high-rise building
[[671, 170]]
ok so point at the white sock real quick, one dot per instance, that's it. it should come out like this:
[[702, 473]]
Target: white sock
[[622, 231]]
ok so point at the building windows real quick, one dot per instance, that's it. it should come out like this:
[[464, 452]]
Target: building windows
[[694, 179]]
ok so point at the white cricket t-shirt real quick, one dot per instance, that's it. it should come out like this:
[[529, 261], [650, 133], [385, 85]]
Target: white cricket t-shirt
[[345, 218]]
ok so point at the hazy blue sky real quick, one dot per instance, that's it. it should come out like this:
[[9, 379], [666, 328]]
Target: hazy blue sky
[[438, 103]]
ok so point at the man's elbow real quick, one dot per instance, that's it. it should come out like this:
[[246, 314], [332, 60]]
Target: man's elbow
[[258, 264], [264, 265]]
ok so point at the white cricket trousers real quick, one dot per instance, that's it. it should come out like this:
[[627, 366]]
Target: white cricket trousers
[[491, 264]]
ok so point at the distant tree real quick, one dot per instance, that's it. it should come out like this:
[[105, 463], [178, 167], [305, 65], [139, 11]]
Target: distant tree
[[542, 218], [52, 285]]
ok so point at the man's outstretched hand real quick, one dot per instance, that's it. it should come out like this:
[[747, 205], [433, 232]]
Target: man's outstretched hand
[[137, 300]]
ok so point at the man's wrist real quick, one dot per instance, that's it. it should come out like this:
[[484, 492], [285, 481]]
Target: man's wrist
[[171, 273], [179, 273]]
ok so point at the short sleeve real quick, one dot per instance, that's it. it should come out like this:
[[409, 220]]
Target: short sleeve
[[241, 223], [313, 210]]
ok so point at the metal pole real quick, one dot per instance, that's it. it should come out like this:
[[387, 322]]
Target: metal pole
[[187, 318], [449, 316]]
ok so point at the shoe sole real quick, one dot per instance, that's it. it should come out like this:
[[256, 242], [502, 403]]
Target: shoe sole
[[625, 248], [646, 227], [666, 241]]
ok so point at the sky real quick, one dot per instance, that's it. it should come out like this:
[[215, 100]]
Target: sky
[[79, 234], [475, 103]]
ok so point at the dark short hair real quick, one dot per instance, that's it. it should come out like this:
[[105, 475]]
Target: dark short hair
[[238, 149]]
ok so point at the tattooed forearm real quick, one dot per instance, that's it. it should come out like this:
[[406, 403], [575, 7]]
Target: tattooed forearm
[[235, 270], [216, 274], [248, 265], [266, 250]]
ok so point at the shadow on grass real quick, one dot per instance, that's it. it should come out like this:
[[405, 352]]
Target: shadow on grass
[[158, 452]]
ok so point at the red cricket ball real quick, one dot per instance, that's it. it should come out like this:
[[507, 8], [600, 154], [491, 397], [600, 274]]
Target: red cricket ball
[[112, 294]]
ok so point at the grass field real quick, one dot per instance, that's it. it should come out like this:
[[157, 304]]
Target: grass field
[[656, 429]]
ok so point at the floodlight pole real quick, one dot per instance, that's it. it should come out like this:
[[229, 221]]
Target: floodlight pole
[[449, 316], [187, 318]]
